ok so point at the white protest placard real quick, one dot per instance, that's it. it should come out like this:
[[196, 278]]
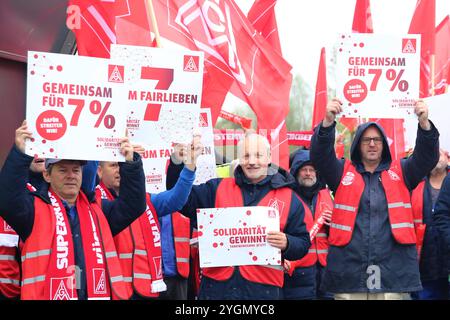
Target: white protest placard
[[206, 163], [165, 89], [76, 107], [237, 236], [377, 76], [439, 114], [155, 160]]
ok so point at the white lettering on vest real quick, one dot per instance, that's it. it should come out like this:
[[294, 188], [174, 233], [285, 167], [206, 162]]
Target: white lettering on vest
[[62, 246], [96, 244], [155, 231]]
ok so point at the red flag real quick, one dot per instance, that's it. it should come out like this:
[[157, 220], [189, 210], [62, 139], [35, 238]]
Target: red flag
[[362, 23], [235, 51], [321, 97], [95, 31], [362, 18], [423, 22], [262, 17], [442, 66], [132, 23], [244, 122]]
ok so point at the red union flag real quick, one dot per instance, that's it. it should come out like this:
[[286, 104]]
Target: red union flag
[[235, 55], [442, 75], [95, 27], [362, 18], [423, 22], [263, 18]]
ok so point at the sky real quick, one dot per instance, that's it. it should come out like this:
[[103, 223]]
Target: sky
[[304, 26]]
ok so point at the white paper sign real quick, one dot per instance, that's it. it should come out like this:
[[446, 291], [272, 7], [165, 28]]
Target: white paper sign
[[155, 160], [76, 107], [237, 236], [164, 95], [439, 114], [378, 75], [206, 163]]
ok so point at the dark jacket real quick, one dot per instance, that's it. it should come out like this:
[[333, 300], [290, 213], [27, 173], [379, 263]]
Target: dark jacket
[[204, 196], [372, 242], [17, 203], [304, 281], [433, 264], [441, 217]]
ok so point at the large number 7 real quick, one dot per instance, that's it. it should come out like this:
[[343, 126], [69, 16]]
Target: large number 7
[[165, 79]]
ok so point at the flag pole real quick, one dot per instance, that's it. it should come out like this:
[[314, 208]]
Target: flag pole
[[151, 17]]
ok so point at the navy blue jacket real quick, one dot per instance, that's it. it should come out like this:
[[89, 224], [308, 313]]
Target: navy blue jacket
[[433, 264], [441, 217], [304, 281], [372, 241], [204, 196], [17, 203]]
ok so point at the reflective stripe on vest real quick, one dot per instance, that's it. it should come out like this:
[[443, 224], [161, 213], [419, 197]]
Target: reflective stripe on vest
[[9, 272], [37, 253], [181, 236], [348, 196], [417, 197], [229, 194], [133, 257]]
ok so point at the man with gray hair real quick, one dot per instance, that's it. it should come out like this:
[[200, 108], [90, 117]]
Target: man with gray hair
[[256, 182]]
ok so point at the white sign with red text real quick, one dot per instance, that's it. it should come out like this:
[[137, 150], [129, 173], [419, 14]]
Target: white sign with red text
[[237, 236], [76, 106], [164, 96], [155, 159], [377, 76]]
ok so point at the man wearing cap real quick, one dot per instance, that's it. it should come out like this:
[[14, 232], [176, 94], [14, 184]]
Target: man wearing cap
[[69, 252]]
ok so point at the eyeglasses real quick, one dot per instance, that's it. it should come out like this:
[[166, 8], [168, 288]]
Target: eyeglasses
[[368, 140]]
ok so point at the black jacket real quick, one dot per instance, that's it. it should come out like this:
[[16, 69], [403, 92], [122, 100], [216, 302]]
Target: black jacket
[[372, 242], [17, 203]]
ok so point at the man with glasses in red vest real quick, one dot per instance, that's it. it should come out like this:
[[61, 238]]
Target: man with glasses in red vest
[[372, 238]]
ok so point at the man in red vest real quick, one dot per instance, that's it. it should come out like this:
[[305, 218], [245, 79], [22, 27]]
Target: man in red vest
[[432, 253], [69, 251], [10, 243], [137, 255], [372, 239], [256, 182], [303, 278], [441, 219]]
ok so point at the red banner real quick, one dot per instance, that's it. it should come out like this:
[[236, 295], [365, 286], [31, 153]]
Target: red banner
[[244, 122]]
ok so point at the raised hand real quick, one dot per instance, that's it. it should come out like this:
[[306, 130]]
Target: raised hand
[[421, 110], [22, 134], [334, 107]]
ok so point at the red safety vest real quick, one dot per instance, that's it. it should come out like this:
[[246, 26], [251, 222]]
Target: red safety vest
[[181, 237], [9, 266], [37, 250], [319, 245], [348, 196], [229, 194], [196, 271], [133, 255], [417, 208]]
